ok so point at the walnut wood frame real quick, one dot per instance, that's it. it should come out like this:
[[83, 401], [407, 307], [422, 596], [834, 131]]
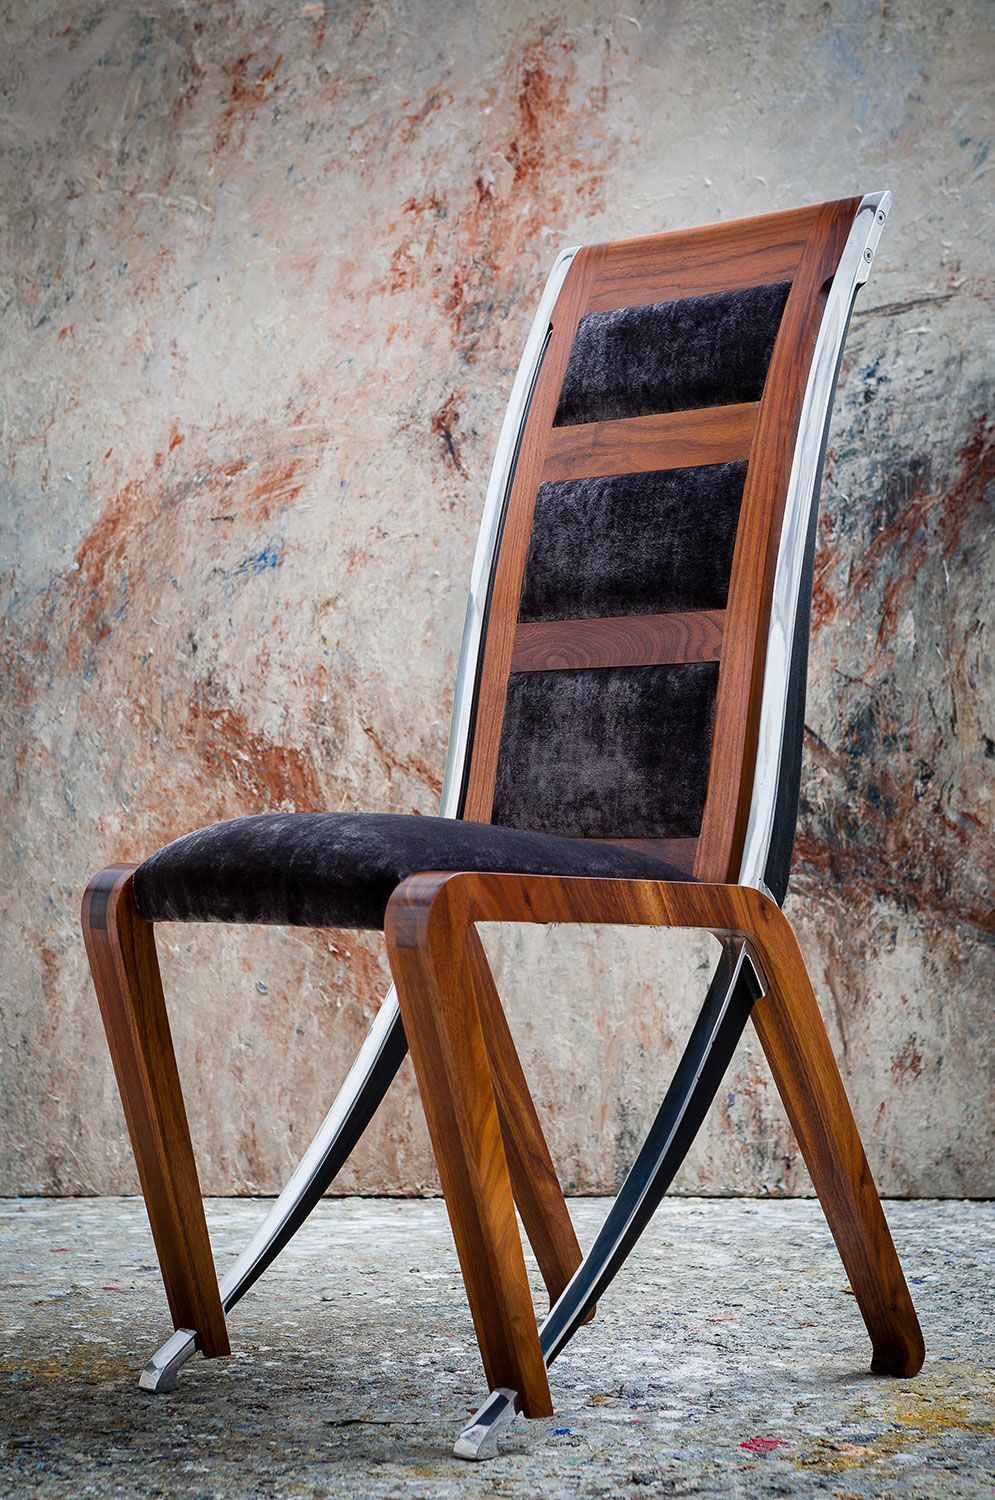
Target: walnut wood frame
[[487, 1138], [121, 950], [802, 246], [431, 921]]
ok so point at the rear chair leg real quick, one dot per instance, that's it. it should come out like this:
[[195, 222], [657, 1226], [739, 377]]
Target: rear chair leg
[[793, 1036], [121, 948], [534, 1181], [442, 1021]]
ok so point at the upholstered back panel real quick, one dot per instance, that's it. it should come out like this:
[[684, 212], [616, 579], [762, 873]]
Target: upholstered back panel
[[641, 523], [633, 544], [671, 356], [623, 751], [581, 751]]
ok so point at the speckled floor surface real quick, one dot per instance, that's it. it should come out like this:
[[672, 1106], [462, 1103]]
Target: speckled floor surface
[[728, 1360]]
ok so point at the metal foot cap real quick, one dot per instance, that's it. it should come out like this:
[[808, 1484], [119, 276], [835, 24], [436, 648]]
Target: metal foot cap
[[162, 1373], [479, 1440]]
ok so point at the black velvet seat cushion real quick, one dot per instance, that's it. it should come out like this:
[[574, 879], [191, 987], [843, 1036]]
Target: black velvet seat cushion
[[339, 869]]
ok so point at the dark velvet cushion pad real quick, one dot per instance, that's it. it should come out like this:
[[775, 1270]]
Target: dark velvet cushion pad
[[633, 544], [672, 356], [608, 752], [339, 869]]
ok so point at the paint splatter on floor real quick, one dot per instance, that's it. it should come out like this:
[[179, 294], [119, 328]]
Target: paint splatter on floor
[[728, 1361]]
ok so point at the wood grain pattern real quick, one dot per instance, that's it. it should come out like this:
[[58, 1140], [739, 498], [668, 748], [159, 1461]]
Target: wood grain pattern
[[751, 583], [121, 949], [618, 641], [793, 1036], [788, 1020], [428, 959], [507, 584], [677, 852], [699, 262], [804, 244], [640, 445], [534, 1182]]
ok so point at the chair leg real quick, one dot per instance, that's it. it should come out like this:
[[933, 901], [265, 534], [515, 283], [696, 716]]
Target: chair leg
[[121, 950], [358, 1100], [794, 1039], [442, 1022], [714, 1038], [534, 1182], [698, 1075]]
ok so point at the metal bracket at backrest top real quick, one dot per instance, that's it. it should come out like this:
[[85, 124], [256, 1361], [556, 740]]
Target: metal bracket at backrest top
[[802, 495], [488, 540]]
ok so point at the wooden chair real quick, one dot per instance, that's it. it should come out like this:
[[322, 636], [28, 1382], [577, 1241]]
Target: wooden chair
[[626, 748]]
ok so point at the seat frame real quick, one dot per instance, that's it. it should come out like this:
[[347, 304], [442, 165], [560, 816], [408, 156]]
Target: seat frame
[[487, 1137]]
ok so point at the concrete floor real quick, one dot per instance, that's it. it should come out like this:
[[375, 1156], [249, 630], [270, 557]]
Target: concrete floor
[[728, 1360]]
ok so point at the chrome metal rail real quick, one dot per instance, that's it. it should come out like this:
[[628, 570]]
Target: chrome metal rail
[[385, 1046], [737, 982]]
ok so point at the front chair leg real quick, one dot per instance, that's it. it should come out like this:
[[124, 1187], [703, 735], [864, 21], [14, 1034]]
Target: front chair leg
[[794, 1039], [426, 944], [793, 1036], [120, 946]]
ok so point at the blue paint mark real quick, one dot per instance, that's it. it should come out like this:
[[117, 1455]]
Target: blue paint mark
[[562, 1431], [260, 562]]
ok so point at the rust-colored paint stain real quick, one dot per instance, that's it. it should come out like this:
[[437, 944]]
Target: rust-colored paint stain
[[894, 828], [413, 764], [526, 167], [250, 85], [266, 775], [444, 424], [907, 1064]]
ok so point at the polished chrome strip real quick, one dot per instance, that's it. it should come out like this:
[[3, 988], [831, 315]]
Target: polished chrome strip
[[853, 270], [479, 1438], [162, 1373], [498, 490], [380, 1051], [376, 1043], [723, 1016]]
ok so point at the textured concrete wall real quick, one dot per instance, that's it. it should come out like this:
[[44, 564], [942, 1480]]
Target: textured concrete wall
[[266, 272]]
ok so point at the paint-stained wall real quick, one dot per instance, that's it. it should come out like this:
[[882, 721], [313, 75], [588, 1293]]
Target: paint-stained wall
[[266, 272]]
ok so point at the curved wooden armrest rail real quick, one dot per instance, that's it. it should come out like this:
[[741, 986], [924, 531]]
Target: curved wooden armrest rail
[[429, 928]]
